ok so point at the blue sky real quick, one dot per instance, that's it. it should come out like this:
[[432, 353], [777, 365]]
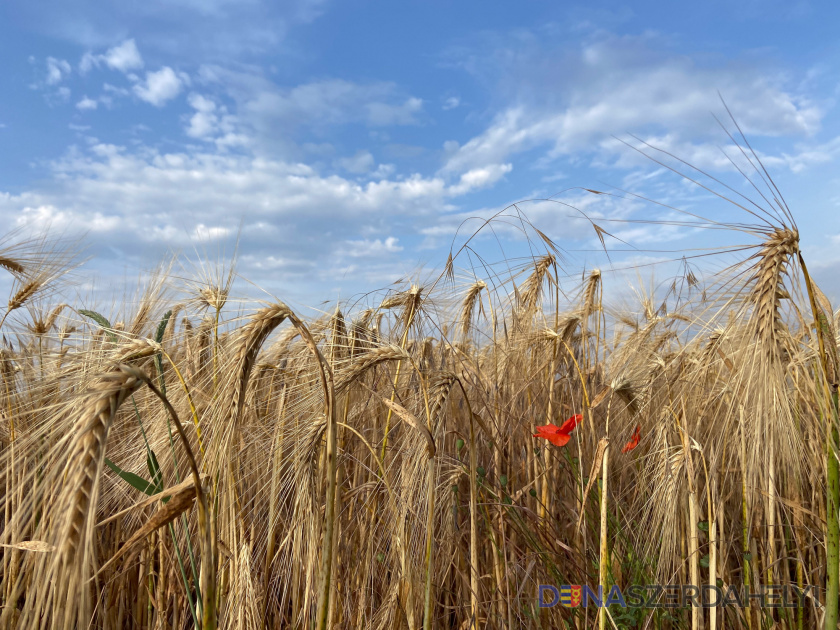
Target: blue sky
[[344, 143]]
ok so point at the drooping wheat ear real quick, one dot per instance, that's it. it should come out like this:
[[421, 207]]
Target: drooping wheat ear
[[394, 301], [590, 293], [25, 292], [409, 301], [50, 321], [471, 298], [136, 349], [629, 394], [252, 336], [369, 360], [531, 290], [440, 387], [566, 327], [79, 494], [338, 346], [245, 594], [10, 265], [213, 297], [768, 289]]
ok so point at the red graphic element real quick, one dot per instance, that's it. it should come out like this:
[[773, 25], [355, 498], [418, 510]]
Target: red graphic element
[[576, 596], [571, 595]]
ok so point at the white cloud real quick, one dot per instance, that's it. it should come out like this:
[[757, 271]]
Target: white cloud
[[142, 200], [275, 112], [123, 57], [159, 87], [116, 91], [367, 248], [480, 178], [620, 85], [361, 162], [212, 122], [383, 171], [57, 70], [451, 103], [204, 122], [86, 104], [48, 216], [385, 114], [204, 233]]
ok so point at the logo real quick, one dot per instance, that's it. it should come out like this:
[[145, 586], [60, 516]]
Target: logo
[[570, 595], [677, 596]]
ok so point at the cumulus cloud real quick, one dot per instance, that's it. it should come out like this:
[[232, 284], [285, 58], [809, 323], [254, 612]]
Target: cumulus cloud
[[212, 122], [159, 87], [86, 104], [451, 103], [143, 200], [124, 57], [57, 70], [384, 114], [273, 111], [322, 205], [361, 162], [376, 248], [480, 178], [619, 85], [204, 121]]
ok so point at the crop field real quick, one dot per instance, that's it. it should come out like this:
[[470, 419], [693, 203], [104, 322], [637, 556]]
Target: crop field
[[451, 453]]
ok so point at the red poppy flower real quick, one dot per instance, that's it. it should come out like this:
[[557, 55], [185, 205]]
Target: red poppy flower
[[559, 436], [634, 441], [553, 434]]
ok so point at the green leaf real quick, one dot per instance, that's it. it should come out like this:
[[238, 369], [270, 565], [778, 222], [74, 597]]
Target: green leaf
[[135, 481], [459, 444], [704, 561], [154, 471], [532, 492], [503, 480], [102, 321], [162, 326], [481, 472], [703, 526], [159, 339]]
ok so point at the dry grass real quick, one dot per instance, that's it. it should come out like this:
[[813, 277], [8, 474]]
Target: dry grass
[[202, 467]]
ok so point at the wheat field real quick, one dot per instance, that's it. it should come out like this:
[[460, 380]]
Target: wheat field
[[425, 457]]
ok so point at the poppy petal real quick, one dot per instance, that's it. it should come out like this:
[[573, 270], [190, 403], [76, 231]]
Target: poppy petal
[[634, 441], [569, 425], [560, 439], [547, 430], [553, 434]]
